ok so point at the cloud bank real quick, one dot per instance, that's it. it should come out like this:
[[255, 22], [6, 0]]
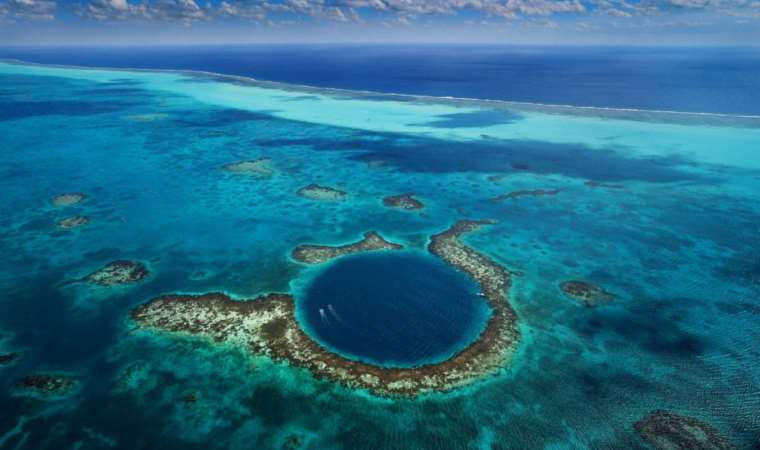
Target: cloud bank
[[363, 16], [400, 11]]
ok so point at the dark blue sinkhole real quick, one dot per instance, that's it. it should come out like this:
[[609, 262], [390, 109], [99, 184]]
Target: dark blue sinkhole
[[394, 309]]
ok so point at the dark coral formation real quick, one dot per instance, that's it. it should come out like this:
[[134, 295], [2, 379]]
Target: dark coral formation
[[259, 167], [133, 376], [8, 358], [403, 201], [190, 397], [267, 325], [316, 254], [526, 193], [118, 272], [664, 430], [293, 442], [317, 192], [587, 293], [47, 385], [73, 222], [68, 199]]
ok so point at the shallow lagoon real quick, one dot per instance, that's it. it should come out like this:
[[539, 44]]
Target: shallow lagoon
[[668, 223]]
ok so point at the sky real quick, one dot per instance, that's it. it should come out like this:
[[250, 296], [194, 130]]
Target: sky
[[552, 22]]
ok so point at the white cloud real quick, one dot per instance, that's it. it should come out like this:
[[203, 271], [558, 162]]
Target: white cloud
[[392, 12], [185, 11], [28, 9], [180, 10], [112, 10]]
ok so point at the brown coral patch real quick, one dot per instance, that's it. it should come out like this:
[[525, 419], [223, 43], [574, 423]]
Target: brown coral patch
[[47, 384], [664, 430], [118, 272], [316, 254], [403, 201], [267, 326], [317, 192], [68, 199], [258, 167], [73, 222], [587, 293]]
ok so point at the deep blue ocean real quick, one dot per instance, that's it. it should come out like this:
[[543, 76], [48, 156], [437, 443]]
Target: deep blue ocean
[[718, 80], [394, 317], [660, 210]]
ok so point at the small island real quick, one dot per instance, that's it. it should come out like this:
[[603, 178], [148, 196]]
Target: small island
[[586, 293], [267, 326], [73, 222], [118, 272], [317, 254], [258, 167], [403, 201], [47, 386], [664, 430], [68, 199], [526, 193], [318, 192]]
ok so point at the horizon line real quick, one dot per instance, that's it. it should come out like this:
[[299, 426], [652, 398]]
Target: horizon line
[[379, 42]]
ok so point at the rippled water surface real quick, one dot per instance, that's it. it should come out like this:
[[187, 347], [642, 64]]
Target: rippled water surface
[[661, 210]]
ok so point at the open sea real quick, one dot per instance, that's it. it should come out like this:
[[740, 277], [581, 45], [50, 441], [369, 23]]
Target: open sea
[[636, 170]]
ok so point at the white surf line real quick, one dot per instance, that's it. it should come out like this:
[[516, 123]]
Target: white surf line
[[436, 99]]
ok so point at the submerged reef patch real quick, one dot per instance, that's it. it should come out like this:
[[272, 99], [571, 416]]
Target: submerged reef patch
[[73, 222], [474, 119], [150, 117], [267, 326], [664, 430], [597, 184], [317, 192], [429, 155], [403, 201], [260, 167], [293, 441], [587, 293], [22, 109], [133, 376], [8, 358], [47, 386], [68, 199], [118, 272], [317, 254], [526, 193]]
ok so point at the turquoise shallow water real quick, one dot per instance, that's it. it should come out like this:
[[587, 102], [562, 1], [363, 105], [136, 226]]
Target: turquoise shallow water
[[669, 225]]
